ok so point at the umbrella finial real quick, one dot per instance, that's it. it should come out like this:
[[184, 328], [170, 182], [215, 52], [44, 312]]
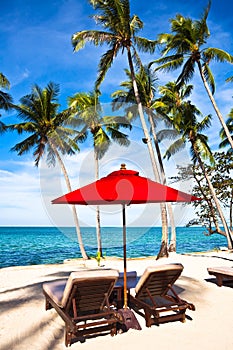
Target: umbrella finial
[[123, 166]]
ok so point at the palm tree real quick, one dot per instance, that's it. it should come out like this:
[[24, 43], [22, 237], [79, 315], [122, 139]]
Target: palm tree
[[229, 123], [86, 112], [185, 43], [119, 34], [6, 100], [146, 82], [39, 112], [184, 121]]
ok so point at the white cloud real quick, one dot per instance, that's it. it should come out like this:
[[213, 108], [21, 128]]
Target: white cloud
[[20, 198]]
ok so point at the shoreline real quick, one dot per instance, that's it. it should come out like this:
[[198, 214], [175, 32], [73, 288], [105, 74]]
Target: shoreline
[[92, 259], [33, 245], [24, 319]]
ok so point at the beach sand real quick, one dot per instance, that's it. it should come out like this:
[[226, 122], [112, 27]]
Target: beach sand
[[25, 325]]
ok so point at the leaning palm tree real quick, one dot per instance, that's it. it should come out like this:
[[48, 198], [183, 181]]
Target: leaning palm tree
[[185, 45], [190, 129], [147, 84], [87, 114], [120, 35], [43, 123]]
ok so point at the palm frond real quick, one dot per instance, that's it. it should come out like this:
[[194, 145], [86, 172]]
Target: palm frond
[[3, 128], [104, 64], [225, 143], [167, 134], [95, 37], [51, 157], [136, 59], [203, 148], [187, 72], [209, 77], [178, 145], [168, 63], [25, 146], [145, 45], [4, 82], [201, 29], [119, 137], [40, 149], [204, 123], [6, 101], [230, 79], [22, 127], [218, 55], [101, 142], [116, 122]]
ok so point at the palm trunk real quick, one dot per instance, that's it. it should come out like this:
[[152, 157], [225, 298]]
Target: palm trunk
[[164, 244], [172, 245], [231, 209], [98, 229], [74, 212], [227, 231], [215, 106]]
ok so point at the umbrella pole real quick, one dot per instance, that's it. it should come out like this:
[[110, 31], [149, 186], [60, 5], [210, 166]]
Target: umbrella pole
[[124, 250]]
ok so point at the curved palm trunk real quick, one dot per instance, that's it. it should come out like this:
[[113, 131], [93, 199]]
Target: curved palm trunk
[[163, 252], [215, 105], [227, 231], [98, 229], [172, 245], [74, 212]]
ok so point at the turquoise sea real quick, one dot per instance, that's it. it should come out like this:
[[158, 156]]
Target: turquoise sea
[[21, 246]]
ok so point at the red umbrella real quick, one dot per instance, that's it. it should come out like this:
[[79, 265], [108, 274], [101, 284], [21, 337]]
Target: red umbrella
[[124, 187]]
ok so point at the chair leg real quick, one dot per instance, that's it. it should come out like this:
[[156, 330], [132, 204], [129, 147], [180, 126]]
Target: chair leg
[[219, 280], [113, 330], [47, 305], [183, 319], [148, 318], [68, 337]]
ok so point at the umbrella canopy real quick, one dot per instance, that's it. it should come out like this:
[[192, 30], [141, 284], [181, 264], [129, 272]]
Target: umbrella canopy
[[124, 187]]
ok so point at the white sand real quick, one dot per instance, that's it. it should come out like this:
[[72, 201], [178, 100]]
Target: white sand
[[25, 325]]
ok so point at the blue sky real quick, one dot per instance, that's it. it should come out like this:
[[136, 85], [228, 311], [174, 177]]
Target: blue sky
[[36, 48]]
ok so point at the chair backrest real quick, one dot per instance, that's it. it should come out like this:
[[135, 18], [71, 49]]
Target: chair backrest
[[89, 289], [157, 280]]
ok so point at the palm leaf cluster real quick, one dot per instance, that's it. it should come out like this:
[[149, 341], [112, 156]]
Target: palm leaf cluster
[[6, 99], [39, 112], [87, 114], [120, 33], [185, 43]]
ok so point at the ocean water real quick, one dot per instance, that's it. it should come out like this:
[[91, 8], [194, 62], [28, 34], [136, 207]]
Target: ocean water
[[21, 246]]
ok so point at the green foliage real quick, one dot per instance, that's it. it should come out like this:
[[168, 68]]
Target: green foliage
[[183, 118], [221, 177], [44, 124], [6, 100], [225, 142], [118, 32], [87, 113], [183, 48]]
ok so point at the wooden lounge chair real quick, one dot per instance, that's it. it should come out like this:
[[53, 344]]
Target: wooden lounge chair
[[221, 273], [155, 299], [82, 301]]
